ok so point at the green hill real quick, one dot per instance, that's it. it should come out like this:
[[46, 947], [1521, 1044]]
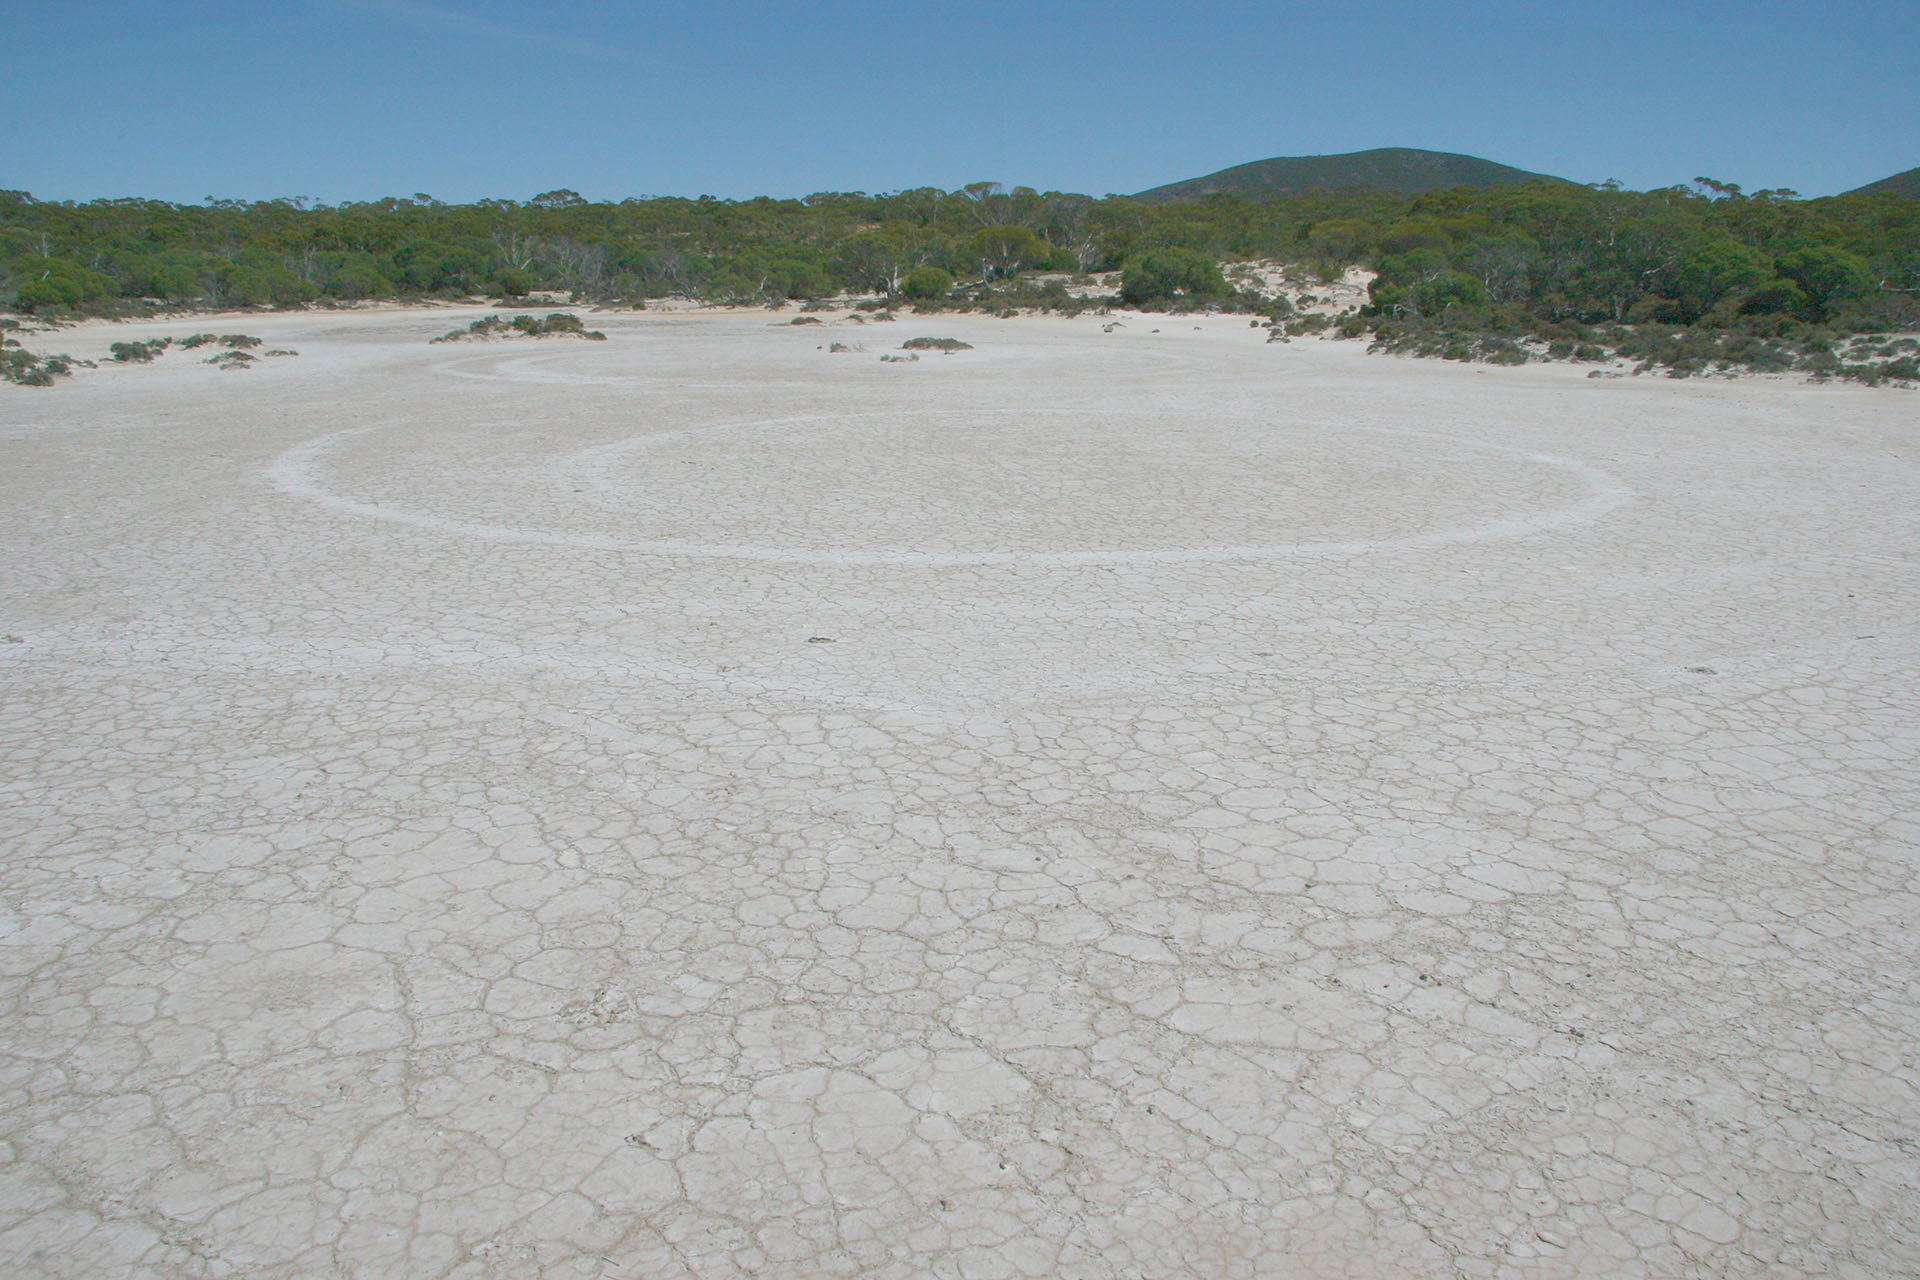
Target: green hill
[[1402, 169], [1900, 184]]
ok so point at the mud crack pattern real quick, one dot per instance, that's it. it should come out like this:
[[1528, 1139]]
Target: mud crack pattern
[[1101, 805]]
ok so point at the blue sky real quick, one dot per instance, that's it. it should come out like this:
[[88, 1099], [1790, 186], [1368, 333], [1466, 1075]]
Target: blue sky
[[464, 99]]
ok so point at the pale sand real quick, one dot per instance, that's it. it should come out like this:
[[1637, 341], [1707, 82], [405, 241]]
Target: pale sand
[[1264, 810]]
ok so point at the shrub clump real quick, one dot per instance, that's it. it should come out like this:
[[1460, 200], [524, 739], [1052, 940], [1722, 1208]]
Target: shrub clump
[[138, 352], [923, 283], [1300, 326], [935, 344], [1448, 343], [1161, 279], [235, 341], [559, 324], [1751, 345], [33, 371]]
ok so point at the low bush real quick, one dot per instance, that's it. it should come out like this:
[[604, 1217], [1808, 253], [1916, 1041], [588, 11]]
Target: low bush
[[1750, 344], [935, 344], [924, 283], [559, 324], [1166, 278], [484, 327], [138, 352], [33, 371]]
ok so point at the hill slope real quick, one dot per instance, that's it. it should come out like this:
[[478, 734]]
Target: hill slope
[[1900, 184], [1403, 169]]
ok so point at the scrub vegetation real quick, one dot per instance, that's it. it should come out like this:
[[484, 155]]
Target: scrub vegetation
[[1689, 279], [559, 324]]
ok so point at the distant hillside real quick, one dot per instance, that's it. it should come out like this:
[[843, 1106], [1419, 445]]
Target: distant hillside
[[1900, 184], [1401, 169]]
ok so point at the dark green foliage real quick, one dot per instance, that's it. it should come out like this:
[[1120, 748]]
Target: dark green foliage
[[1682, 351], [234, 340], [484, 327], [1423, 338], [1830, 277], [33, 371], [1906, 184], [269, 284], [1037, 293], [935, 344], [1404, 170], [1569, 349], [1778, 296], [1338, 240], [1006, 251], [1678, 351], [927, 282], [1517, 262], [1160, 277], [138, 352], [558, 324], [1720, 270], [1450, 295], [514, 282], [1560, 250], [55, 283], [565, 324]]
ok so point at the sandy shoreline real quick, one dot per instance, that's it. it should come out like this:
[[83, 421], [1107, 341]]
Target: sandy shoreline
[[90, 339], [1102, 803]]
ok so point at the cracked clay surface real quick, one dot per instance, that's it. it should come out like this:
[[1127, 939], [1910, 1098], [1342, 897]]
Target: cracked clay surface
[[1097, 805]]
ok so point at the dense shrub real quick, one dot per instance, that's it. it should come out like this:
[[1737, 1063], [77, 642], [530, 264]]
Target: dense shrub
[[33, 371], [138, 352], [927, 282], [558, 324], [1160, 277], [1531, 265]]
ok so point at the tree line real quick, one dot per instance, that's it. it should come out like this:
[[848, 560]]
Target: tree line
[[1508, 258]]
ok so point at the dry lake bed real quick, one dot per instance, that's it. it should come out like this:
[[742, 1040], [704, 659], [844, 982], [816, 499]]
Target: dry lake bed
[[1099, 804]]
